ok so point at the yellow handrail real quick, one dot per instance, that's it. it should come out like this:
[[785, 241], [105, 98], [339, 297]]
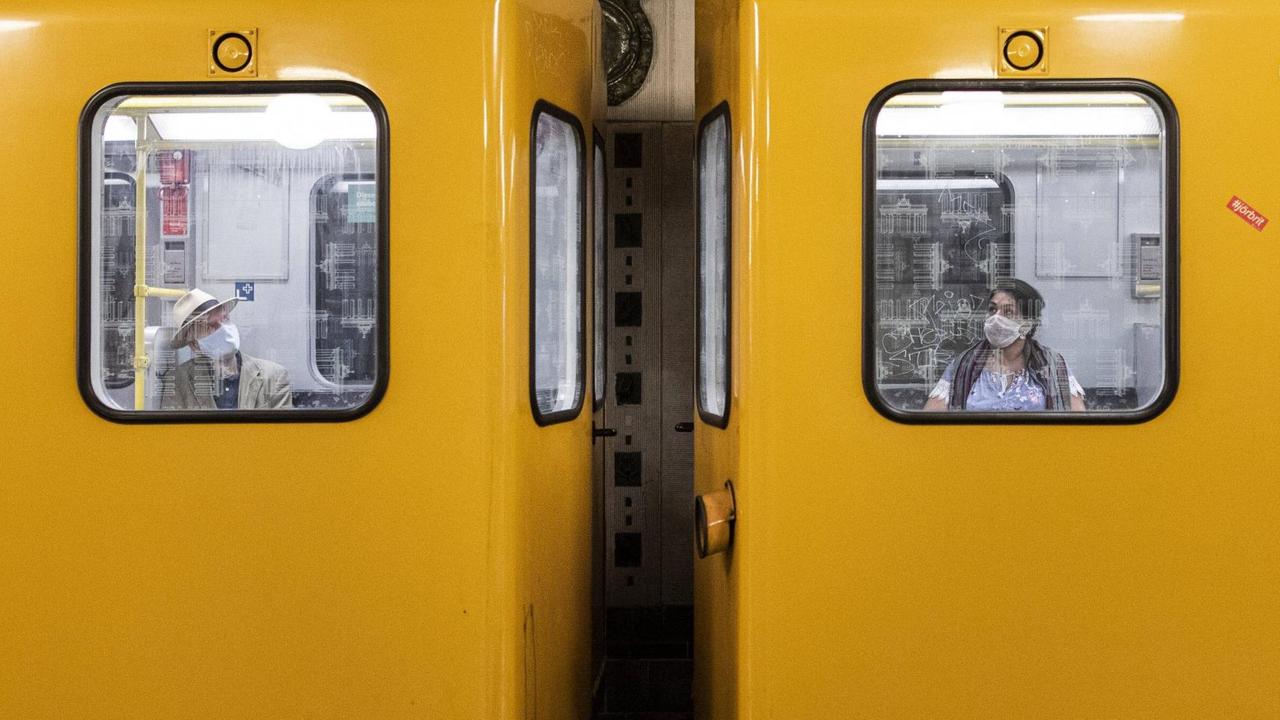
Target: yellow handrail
[[140, 359], [141, 291]]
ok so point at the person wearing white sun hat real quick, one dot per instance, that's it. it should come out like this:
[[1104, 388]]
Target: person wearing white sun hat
[[218, 375]]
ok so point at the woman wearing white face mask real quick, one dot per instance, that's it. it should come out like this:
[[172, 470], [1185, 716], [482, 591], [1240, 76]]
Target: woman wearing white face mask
[[217, 375], [1008, 369]]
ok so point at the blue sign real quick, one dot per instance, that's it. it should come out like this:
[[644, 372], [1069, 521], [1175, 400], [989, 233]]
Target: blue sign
[[244, 291]]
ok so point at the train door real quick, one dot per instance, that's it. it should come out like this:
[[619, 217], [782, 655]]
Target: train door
[[650, 307], [263, 522], [992, 286]]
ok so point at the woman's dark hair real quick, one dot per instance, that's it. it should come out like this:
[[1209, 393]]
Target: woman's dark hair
[[1030, 302]]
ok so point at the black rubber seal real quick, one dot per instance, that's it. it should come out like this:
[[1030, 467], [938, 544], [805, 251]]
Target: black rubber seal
[[217, 44], [1039, 49]]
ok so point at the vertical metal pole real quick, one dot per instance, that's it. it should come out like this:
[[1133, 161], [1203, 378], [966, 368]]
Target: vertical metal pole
[[140, 359]]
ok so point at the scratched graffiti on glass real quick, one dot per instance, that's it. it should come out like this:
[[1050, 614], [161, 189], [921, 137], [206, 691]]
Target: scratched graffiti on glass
[[249, 279], [1019, 252]]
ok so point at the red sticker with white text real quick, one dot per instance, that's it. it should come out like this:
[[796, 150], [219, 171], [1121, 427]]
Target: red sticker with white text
[[1247, 213]]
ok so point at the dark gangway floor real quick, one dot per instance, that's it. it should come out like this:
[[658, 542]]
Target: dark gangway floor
[[648, 671]]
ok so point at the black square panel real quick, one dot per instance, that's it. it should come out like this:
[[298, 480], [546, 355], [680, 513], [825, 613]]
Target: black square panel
[[628, 309], [628, 230], [628, 388], [626, 469], [628, 150], [626, 549]]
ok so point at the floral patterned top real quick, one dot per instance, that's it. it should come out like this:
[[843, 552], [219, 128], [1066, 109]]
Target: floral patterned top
[[994, 392]]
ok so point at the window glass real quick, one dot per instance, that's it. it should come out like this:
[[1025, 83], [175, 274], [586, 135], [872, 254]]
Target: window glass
[[344, 228], [1018, 257], [235, 254], [558, 265], [713, 268], [598, 217]]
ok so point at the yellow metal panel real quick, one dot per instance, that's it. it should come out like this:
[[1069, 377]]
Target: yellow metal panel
[[897, 571], [719, 580], [378, 568], [545, 53]]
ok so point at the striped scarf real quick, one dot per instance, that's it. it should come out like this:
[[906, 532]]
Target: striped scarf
[[1048, 369]]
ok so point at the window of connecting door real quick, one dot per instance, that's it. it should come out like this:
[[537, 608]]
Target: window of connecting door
[[557, 208], [599, 209], [713, 267]]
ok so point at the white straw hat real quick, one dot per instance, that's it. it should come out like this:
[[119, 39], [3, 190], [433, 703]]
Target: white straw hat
[[190, 308]]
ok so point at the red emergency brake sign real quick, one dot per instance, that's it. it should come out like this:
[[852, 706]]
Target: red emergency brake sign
[[174, 211]]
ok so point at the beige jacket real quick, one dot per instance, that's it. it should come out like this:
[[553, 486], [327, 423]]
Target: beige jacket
[[263, 384]]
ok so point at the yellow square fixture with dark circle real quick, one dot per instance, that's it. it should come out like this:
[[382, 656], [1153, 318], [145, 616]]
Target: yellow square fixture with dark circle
[[1023, 51], [233, 53]]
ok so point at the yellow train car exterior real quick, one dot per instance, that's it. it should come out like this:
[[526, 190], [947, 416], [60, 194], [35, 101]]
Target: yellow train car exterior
[[905, 570], [430, 559]]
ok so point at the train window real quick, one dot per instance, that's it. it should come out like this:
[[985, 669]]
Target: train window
[[599, 208], [713, 267], [1020, 251], [234, 246], [558, 268]]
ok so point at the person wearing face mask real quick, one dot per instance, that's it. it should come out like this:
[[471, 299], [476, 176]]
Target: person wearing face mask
[[1008, 369], [216, 375]]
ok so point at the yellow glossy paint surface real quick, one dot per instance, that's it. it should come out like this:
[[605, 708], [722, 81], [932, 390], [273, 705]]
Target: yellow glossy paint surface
[[391, 567], [719, 587], [896, 571], [546, 54]]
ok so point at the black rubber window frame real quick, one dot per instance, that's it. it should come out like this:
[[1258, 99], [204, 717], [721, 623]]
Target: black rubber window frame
[[85, 255], [1160, 100], [600, 259], [543, 107], [721, 420]]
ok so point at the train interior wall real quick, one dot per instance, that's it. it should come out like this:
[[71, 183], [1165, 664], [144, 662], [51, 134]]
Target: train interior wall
[[646, 469]]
